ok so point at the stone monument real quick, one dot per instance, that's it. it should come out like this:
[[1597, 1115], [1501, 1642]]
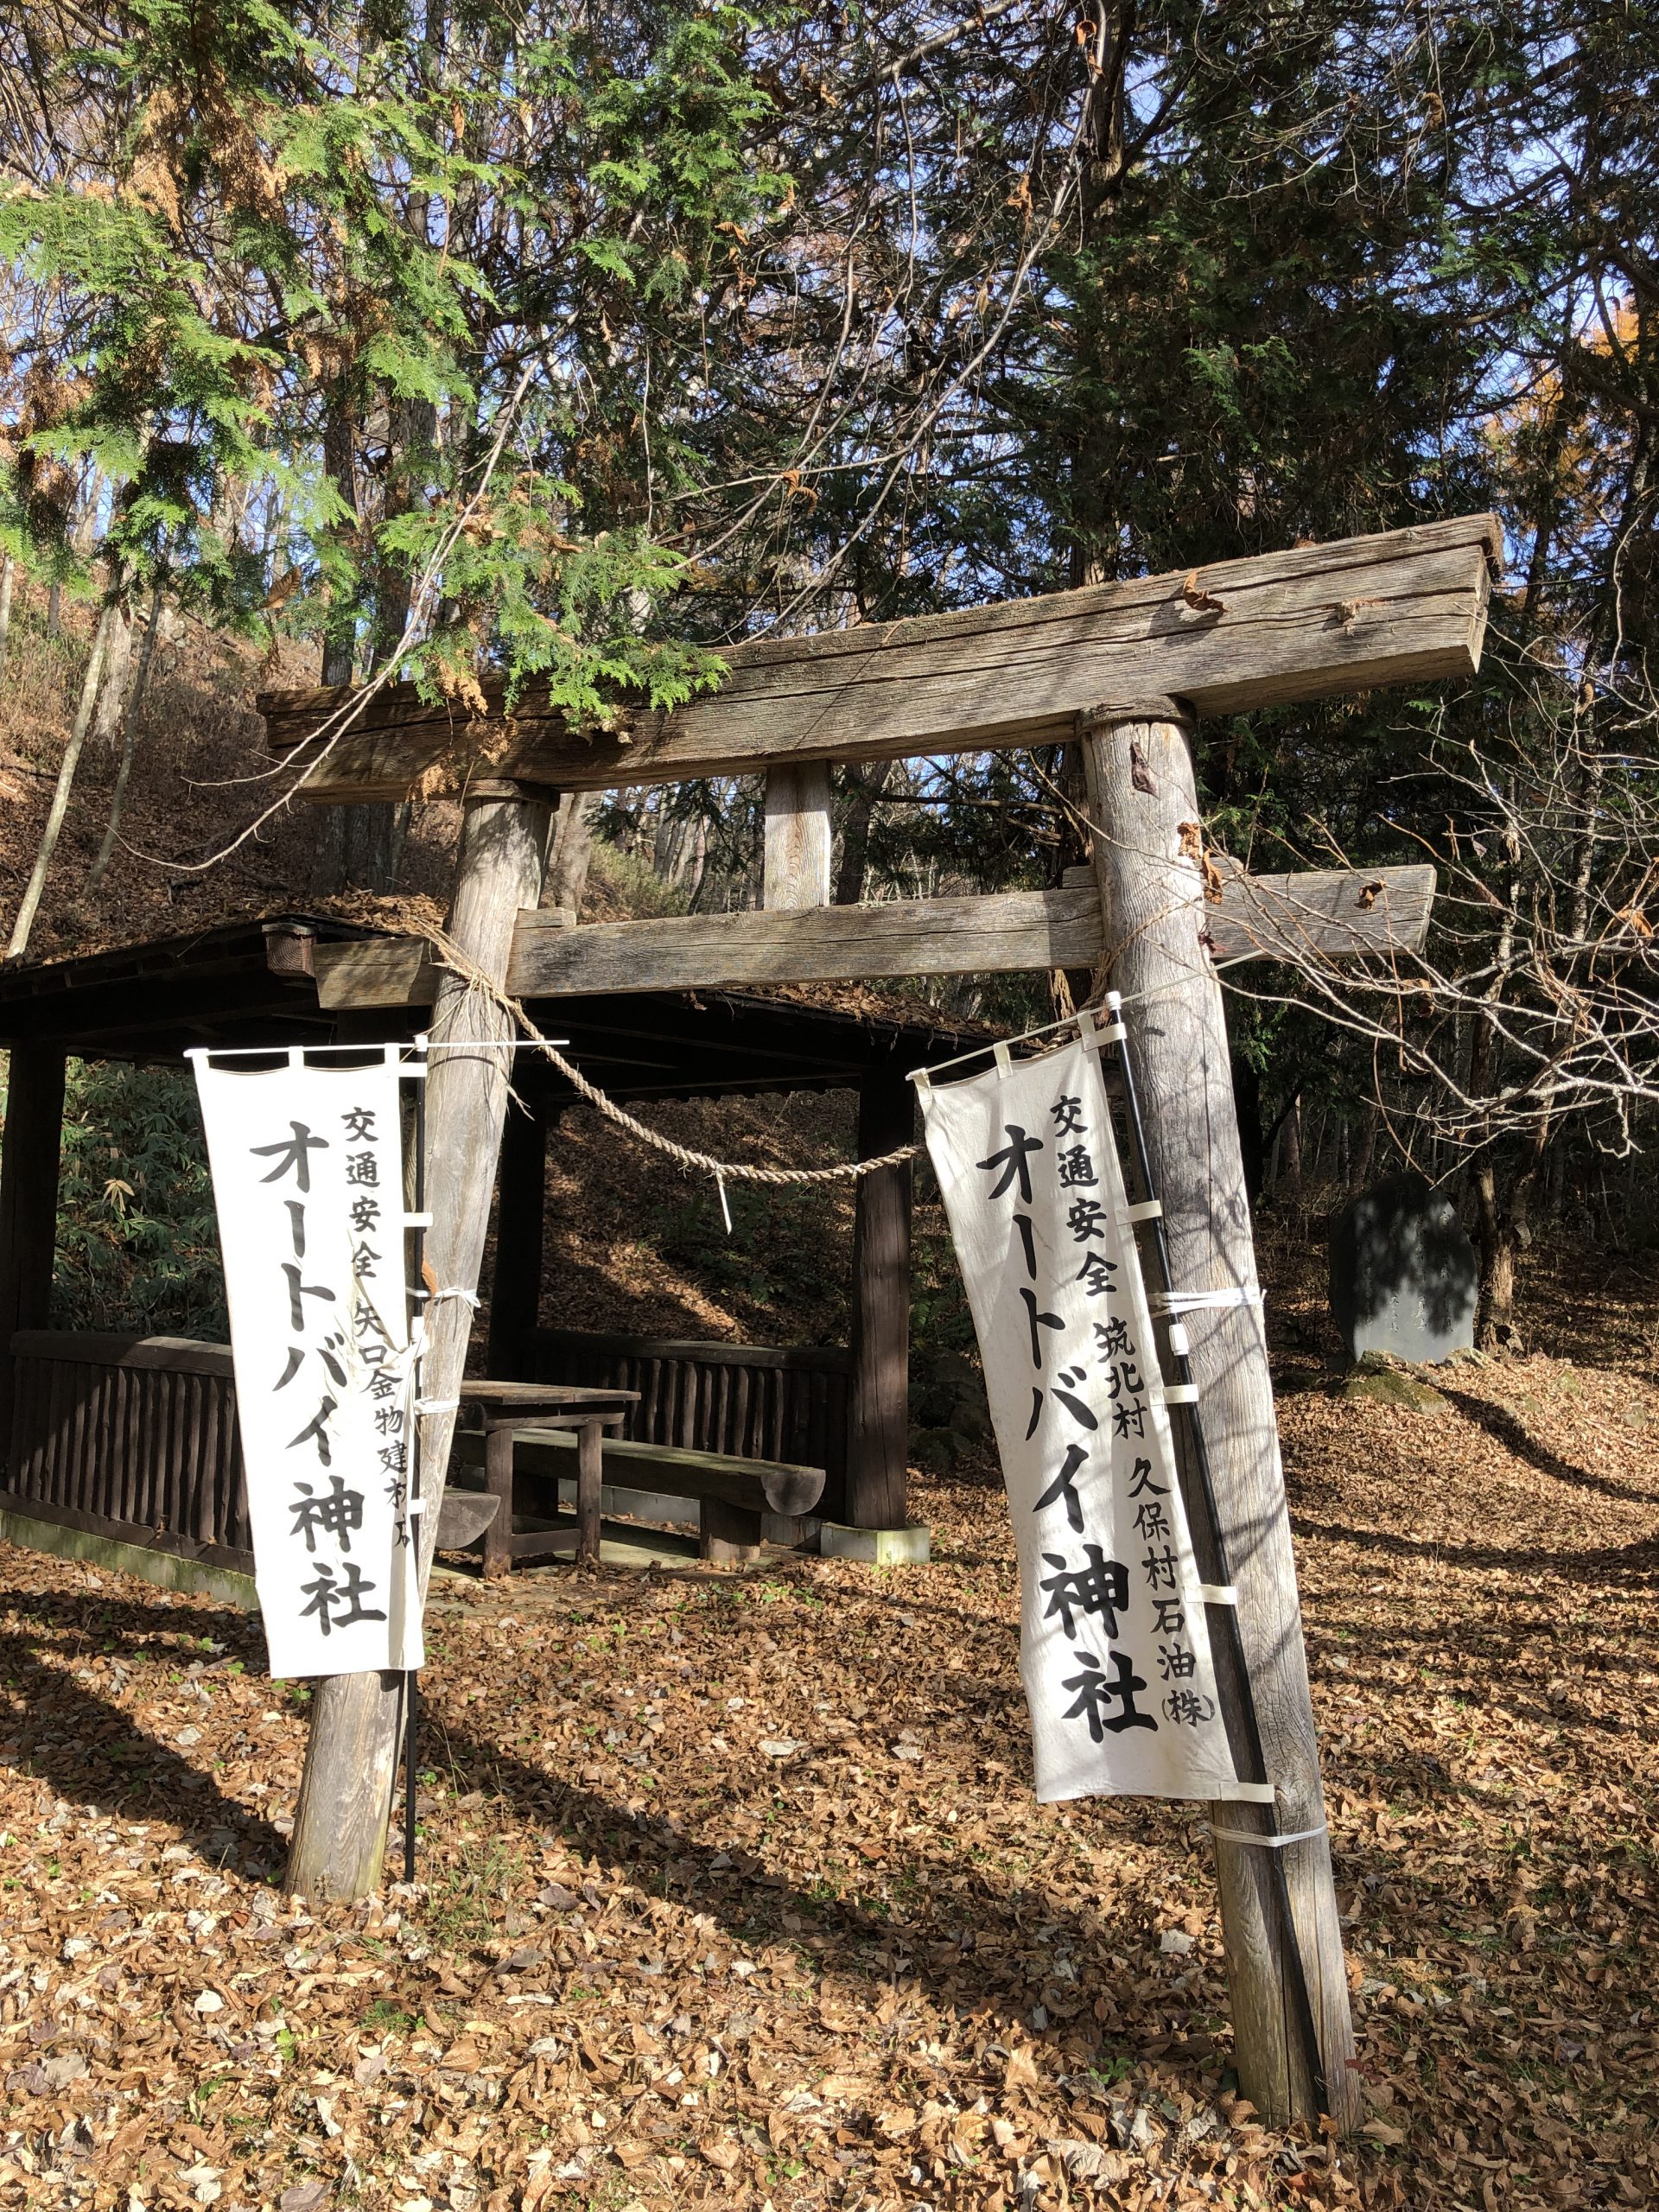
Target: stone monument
[[1403, 1276]]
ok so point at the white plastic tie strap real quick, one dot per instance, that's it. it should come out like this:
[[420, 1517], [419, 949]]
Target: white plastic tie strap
[[1105, 1034], [436, 1405], [1180, 1394], [1180, 1343], [417, 1221], [1216, 1593], [1246, 1792], [469, 1296], [1202, 1301], [1268, 1842], [1146, 1209]]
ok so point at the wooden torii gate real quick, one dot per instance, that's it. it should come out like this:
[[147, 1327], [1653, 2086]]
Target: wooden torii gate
[[1123, 670]]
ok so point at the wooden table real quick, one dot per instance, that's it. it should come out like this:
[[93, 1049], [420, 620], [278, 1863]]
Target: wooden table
[[500, 1409]]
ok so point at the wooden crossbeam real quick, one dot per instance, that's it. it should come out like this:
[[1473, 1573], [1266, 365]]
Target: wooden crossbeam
[[1402, 606], [1338, 914]]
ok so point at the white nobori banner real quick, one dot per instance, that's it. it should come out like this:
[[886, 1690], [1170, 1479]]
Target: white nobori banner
[[1114, 1648], [307, 1163]]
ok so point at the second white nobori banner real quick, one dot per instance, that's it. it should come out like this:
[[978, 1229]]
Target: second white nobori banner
[[1114, 1648], [307, 1171]]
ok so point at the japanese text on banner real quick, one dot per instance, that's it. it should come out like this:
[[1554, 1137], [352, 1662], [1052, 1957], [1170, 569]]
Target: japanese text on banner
[[1114, 1648], [307, 1180]]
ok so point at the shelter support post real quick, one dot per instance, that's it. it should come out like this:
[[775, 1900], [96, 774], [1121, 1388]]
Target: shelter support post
[[29, 1202], [520, 1219], [878, 1428], [344, 1803], [1147, 859]]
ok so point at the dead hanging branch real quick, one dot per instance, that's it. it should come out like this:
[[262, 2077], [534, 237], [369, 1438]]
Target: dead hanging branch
[[1537, 995]]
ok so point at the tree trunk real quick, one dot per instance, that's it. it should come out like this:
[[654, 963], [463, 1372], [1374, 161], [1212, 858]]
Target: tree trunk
[[1293, 1153], [359, 848], [1252, 1140], [129, 743], [24, 924], [864, 788], [671, 835], [573, 852], [1365, 1148], [1503, 1231], [1495, 1311], [118, 672]]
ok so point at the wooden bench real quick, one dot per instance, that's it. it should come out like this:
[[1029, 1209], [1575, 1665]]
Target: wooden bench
[[731, 1494]]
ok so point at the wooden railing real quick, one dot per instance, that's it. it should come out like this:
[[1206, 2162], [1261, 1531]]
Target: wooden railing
[[133, 1437], [758, 1401]]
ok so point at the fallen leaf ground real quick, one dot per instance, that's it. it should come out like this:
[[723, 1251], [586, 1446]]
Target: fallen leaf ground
[[734, 1893]]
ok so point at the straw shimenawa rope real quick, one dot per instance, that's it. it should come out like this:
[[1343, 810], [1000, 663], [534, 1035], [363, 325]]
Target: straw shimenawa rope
[[476, 979]]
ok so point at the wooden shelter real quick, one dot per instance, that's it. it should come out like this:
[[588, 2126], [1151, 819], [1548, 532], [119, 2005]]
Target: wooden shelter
[[136, 1441]]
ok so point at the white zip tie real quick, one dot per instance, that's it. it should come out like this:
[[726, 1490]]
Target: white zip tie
[[1202, 1301], [436, 1405], [1147, 1210], [1246, 1792], [1268, 1842], [471, 1296], [1216, 1593], [1180, 1343], [417, 1221], [1180, 1394]]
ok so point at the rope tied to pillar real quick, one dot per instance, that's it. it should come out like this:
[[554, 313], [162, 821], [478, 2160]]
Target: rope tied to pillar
[[478, 979]]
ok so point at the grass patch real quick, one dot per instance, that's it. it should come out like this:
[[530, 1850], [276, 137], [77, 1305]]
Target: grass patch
[[468, 1895]]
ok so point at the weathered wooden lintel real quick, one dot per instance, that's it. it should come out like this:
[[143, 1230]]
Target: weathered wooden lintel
[[1336, 914], [1401, 607]]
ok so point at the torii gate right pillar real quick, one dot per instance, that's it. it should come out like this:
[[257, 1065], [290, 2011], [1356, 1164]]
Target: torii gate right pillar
[[1147, 859]]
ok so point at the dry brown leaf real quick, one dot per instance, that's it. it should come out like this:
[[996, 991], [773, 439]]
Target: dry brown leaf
[[1204, 602]]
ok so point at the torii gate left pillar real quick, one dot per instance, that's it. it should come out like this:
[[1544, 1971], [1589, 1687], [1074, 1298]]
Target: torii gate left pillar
[[344, 1811]]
